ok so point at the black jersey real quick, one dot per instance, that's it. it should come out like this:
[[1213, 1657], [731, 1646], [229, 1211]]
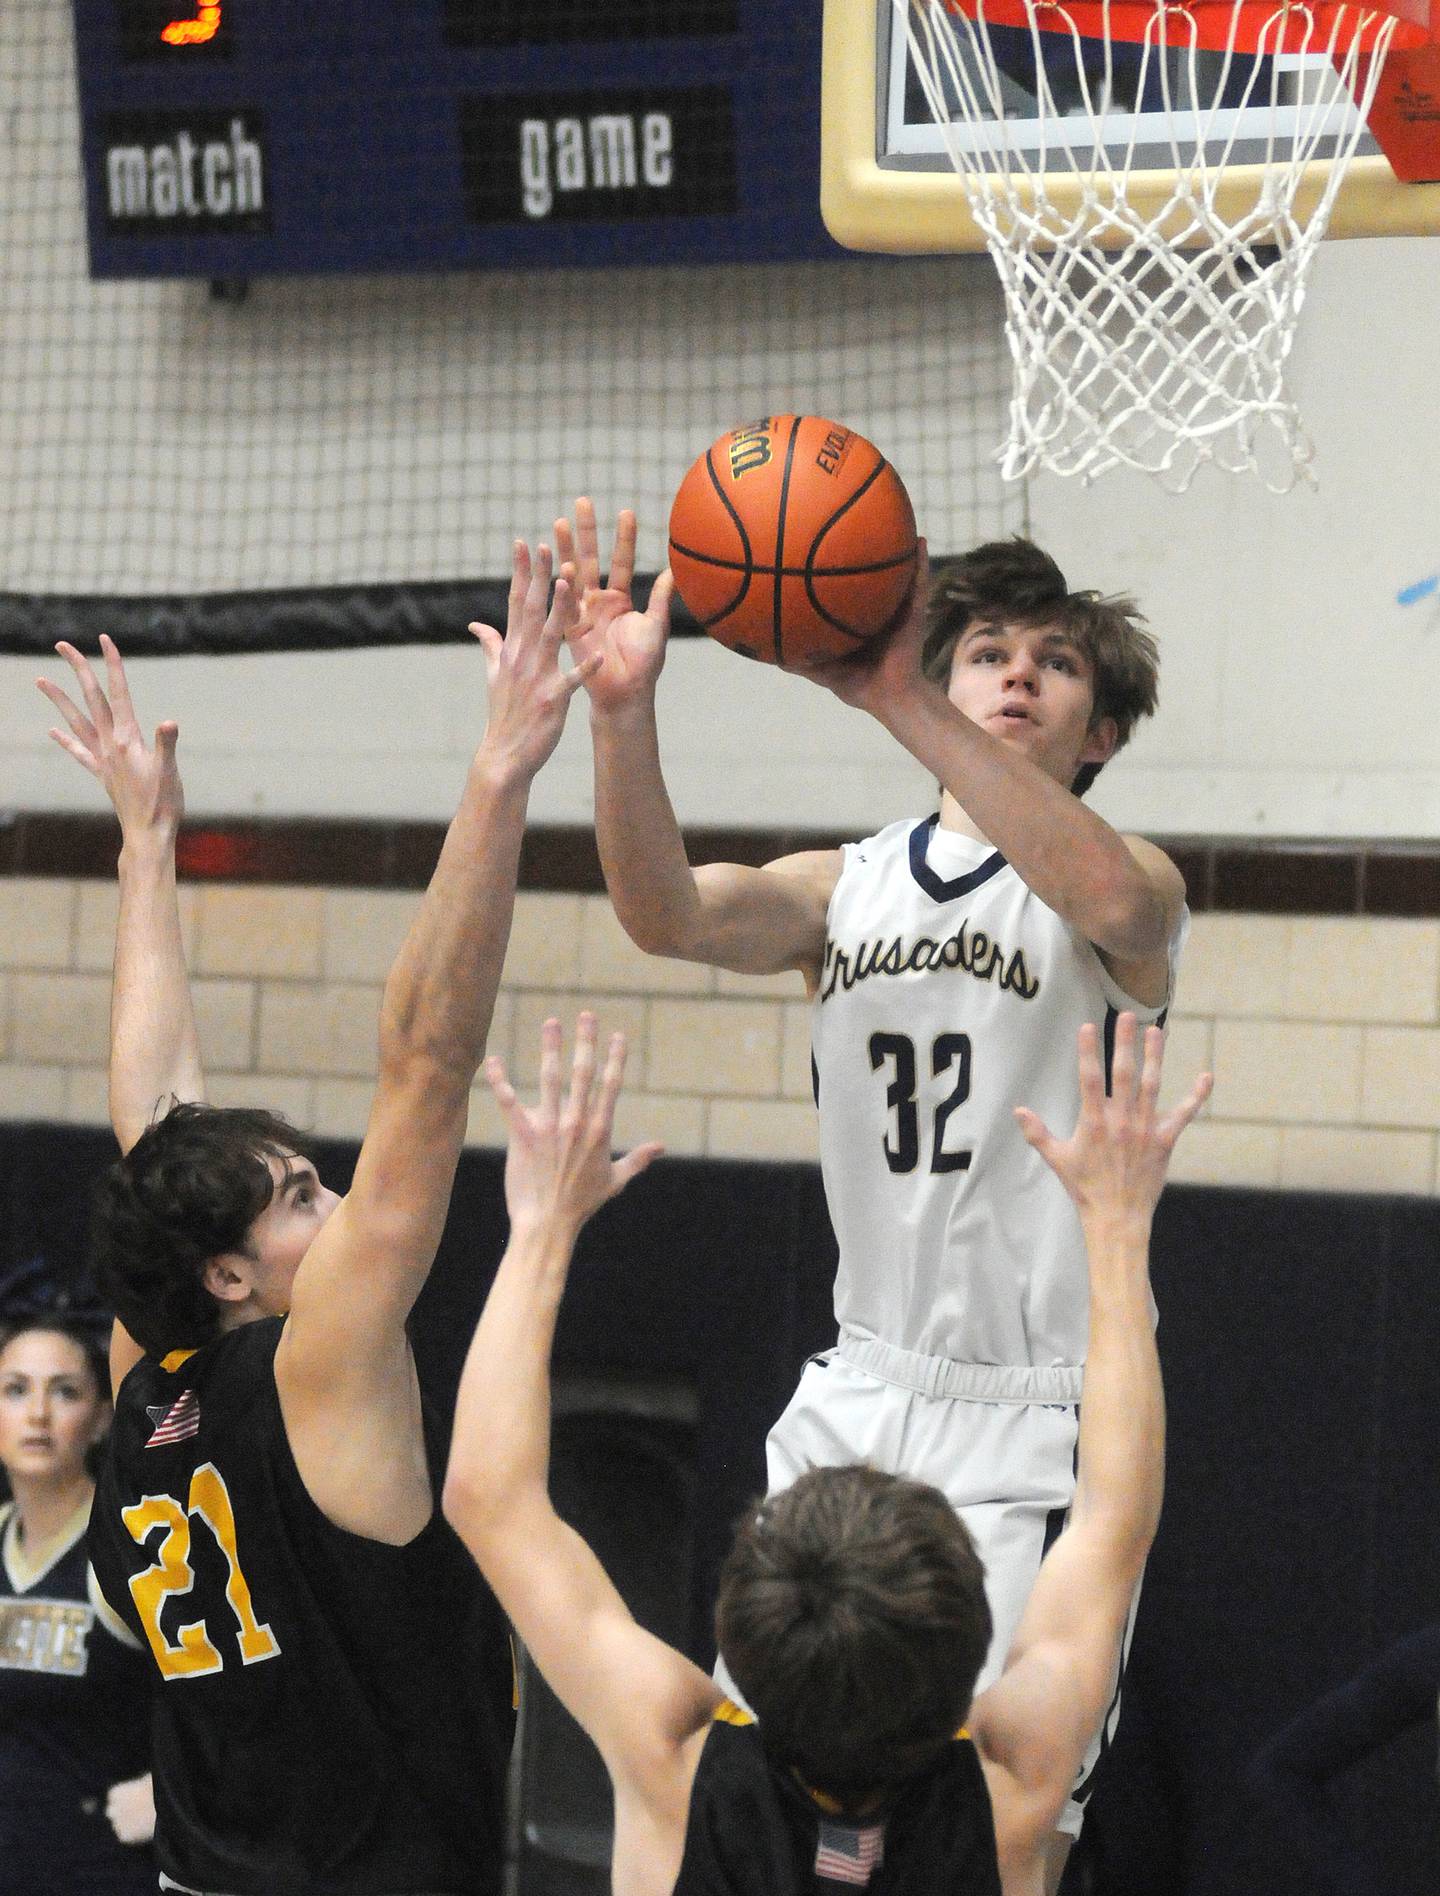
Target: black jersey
[[753, 1831], [74, 1719], [332, 1714]]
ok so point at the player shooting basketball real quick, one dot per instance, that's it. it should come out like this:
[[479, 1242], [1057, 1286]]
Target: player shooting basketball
[[266, 1521], [949, 962], [852, 1608]]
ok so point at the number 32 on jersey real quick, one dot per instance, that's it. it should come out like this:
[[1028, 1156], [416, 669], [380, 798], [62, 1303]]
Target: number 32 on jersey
[[192, 1653], [949, 1055]]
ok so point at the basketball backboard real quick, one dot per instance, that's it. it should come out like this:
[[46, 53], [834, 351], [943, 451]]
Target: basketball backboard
[[889, 183]]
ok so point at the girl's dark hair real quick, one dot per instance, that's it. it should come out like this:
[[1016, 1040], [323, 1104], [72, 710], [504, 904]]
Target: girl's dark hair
[[853, 1618], [187, 1191]]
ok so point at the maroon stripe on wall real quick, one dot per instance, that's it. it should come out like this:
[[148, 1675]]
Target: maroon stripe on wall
[[1221, 873]]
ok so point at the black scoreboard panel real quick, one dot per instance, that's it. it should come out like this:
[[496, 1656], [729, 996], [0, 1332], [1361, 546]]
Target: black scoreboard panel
[[237, 138]]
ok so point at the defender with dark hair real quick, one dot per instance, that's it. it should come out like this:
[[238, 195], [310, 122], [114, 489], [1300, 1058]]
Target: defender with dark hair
[[949, 961], [333, 1684], [189, 1190], [852, 1608], [853, 1617]]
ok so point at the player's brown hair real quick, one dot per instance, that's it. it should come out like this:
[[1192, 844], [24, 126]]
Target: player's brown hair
[[852, 1616], [187, 1191], [1012, 582]]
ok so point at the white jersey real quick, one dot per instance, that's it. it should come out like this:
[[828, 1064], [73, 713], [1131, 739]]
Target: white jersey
[[950, 995]]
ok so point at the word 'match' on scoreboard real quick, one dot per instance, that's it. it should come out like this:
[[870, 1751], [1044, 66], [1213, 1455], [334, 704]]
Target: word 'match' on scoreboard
[[237, 138]]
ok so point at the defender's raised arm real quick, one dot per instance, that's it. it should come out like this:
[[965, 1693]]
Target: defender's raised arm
[[1034, 1724]]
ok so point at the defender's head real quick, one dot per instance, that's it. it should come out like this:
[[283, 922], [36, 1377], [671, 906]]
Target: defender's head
[[852, 1616], [1010, 586], [203, 1223]]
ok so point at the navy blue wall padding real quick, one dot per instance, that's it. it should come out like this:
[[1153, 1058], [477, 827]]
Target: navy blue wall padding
[[1300, 1335]]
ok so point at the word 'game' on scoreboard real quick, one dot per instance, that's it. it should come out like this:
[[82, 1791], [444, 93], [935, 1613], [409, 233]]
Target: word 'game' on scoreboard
[[238, 138]]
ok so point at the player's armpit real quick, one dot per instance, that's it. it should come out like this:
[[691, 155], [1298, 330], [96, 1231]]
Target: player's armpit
[[125, 1353], [1032, 1729], [764, 921], [1145, 976], [358, 1280]]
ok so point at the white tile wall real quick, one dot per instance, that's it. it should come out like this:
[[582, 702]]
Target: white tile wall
[[1323, 1033]]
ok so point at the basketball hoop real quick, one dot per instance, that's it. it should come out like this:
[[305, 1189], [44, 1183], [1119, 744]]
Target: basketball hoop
[[1149, 312]]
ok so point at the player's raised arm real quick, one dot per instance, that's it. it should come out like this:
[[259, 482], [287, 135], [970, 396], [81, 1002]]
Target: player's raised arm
[[343, 1367], [1034, 1724], [754, 921], [1021, 715], [638, 1699], [154, 1046]]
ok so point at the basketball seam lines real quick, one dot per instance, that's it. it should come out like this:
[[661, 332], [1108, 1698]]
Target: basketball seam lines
[[748, 567], [793, 572], [810, 573], [775, 594]]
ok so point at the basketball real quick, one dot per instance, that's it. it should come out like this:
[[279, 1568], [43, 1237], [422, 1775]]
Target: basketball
[[792, 539]]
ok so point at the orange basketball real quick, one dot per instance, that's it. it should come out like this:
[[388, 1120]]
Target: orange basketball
[[792, 539]]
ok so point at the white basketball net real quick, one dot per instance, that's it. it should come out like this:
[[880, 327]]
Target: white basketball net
[[1151, 338]]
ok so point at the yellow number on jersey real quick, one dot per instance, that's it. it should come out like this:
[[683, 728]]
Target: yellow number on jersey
[[195, 1653]]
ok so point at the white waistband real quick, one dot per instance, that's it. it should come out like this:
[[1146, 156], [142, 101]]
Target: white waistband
[[971, 1382]]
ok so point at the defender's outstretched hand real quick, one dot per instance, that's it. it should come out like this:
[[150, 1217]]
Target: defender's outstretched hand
[[558, 1169], [106, 739], [630, 645], [1117, 1156], [529, 693]]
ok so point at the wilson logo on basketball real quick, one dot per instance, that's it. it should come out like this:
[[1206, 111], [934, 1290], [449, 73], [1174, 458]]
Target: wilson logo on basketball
[[749, 449]]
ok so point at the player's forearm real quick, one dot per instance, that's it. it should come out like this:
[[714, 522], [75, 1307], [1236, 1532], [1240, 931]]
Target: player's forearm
[[647, 872], [1072, 859], [440, 995], [500, 1449], [1121, 1463], [154, 1045]]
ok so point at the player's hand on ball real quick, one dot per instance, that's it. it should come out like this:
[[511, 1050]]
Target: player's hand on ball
[[630, 645], [558, 1168], [105, 739], [879, 672], [1116, 1158]]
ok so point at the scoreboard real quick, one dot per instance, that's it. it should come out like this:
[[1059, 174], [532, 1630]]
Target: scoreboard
[[239, 138]]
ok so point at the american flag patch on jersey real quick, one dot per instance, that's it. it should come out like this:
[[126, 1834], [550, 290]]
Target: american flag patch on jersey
[[849, 1853], [177, 1423]]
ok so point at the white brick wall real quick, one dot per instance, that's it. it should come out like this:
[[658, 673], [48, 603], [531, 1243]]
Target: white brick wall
[[1323, 1033]]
